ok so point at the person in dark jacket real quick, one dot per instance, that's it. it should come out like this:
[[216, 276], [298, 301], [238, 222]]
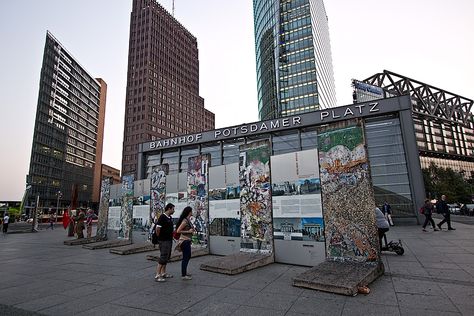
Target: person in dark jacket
[[443, 208], [387, 211], [428, 212], [164, 231]]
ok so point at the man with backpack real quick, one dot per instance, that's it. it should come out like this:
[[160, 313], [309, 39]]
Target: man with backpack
[[427, 210], [164, 233]]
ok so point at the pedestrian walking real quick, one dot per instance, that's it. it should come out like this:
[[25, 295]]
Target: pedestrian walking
[[51, 221], [164, 231], [6, 220], [186, 229], [443, 208], [387, 212], [89, 220], [428, 212]]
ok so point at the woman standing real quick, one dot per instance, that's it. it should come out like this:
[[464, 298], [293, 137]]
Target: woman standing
[[428, 211], [186, 229], [80, 225]]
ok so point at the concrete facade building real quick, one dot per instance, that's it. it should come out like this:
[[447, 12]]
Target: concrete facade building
[[69, 131], [111, 172], [444, 123], [293, 56], [162, 98]]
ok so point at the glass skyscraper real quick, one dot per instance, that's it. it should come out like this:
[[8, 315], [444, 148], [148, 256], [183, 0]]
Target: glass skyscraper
[[293, 54]]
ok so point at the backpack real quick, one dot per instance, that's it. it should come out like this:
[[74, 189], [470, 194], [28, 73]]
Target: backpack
[[439, 208], [154, 236]]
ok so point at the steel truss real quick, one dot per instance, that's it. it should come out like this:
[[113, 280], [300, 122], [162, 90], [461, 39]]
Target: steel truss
[[429, 101]]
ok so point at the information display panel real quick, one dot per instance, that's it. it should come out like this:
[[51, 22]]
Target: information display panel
[[298, 226]]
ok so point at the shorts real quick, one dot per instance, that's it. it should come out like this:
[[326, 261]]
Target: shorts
[[165, 251]]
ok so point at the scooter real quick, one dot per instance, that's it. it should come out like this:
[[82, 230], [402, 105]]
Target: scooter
[[393, 246]]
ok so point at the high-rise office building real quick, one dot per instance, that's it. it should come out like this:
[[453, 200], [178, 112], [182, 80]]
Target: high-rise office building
[[293, 54], [69, 130], [162, 98]]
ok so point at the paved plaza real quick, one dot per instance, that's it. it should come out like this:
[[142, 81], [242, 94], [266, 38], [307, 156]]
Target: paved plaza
[[40, 275]]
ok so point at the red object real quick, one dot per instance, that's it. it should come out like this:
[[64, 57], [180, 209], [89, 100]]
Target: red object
[[176, 235], [66, 219]]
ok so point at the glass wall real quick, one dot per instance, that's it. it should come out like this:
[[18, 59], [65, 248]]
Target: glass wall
[[230, 151], [214, 149], [171, 157], [388, 164]]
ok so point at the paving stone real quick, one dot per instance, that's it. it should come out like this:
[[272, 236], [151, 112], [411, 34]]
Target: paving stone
[[281, 287], [37, 270], [252, 311], [409, 286], [439, 303], [6, 310], [354, 308], [208, 307], [382, 292], [426, 312], [281, 302], [317, 306], [44, 302], [116, 310]]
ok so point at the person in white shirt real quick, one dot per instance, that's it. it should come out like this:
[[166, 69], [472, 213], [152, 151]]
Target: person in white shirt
[[6, 219]]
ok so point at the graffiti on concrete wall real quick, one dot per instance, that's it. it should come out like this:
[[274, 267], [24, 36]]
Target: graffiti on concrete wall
[[158, 191], [198, 181], [103, 208], [347, 195], [126, 209], [255, 198]]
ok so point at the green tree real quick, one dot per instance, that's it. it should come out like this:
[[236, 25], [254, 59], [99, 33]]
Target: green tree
[[446, 181]]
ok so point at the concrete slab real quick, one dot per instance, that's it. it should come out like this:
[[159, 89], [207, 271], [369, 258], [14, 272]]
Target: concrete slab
[[83, 241], [238, 263], [107, 244], [339, 277], [177, 256], [134, 248]]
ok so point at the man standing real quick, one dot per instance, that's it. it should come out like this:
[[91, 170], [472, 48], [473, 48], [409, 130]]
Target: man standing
[[6, 220], [164, 231], [443, 208], [387, 211]]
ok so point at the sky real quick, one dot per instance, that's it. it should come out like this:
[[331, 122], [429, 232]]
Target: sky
[[427, 40]]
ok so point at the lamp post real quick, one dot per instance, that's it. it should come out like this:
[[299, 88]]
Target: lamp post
[[57, 206]]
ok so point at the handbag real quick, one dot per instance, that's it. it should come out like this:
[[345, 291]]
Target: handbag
[[180, 241]]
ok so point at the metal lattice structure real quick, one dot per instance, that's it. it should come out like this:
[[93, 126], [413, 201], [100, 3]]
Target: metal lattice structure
[[429, 101]]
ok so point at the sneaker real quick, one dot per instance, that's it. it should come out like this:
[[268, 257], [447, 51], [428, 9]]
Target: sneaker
[[160, 279], [187, 277], [436, 229], [157, 276], [450, 228], [167, 276], [424, 230]]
